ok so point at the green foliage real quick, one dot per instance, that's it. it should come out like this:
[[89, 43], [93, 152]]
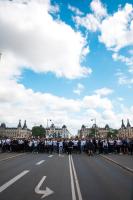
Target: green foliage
[[92, 133], [38, 131], [112, 133]]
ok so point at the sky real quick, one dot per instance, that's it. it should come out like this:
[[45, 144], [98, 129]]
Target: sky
[[68, 61]]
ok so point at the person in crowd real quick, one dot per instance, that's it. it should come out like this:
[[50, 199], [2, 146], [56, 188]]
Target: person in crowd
[[119, 145], [100, 146], [74, 145], [70, 146], [105, 146], [111, 145], [130, 147], [50, 146], [125, 146], [90, 147], [60, 146]]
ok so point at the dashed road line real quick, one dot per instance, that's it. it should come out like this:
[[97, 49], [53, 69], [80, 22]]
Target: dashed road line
[[50, 156], [12, 157], [9, 183], [40, 162]]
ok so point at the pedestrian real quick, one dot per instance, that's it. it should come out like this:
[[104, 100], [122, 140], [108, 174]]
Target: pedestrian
[[70, 147]]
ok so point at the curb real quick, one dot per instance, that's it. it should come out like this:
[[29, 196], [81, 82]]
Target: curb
[[122, 166]]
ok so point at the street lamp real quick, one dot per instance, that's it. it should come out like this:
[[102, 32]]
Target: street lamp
[[95, 125], [48, 121]]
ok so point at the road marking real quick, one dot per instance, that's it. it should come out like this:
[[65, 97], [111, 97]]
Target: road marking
[[12, 156], [72, 181], [61, 155], [6, 185], [50, 156], [120, 165], [40, 162], [76, 180], [46, 192]]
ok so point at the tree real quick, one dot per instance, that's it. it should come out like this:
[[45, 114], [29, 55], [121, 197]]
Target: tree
[[112, 133], [38, 131], [92, 133]]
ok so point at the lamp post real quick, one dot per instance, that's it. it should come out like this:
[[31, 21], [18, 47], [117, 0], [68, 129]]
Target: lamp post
[[95, 124], [48, 121]]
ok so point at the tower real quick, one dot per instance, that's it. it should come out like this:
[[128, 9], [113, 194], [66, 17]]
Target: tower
[[122, 125], [19, 124], [25, 125], [128, 124]]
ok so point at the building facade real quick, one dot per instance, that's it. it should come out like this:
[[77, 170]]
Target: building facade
[[56, 132], [94, 131], [125, 131], [15, 132]]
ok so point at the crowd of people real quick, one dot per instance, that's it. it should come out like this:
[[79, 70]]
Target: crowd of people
[[91, 146]]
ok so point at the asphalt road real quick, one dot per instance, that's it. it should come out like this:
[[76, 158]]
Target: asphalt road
[[54, 177]]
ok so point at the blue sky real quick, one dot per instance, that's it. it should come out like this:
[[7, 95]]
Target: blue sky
[[66, 60]]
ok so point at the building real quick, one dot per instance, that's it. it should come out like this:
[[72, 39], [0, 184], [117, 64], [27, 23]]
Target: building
[[56, 132], [15, 132], [125, 131], [94, 131]]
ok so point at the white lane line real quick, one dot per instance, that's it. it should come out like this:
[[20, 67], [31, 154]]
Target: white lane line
[[76, 180], [40, 162], [12, 156], [72, 181], [50, 156], [7, 184]]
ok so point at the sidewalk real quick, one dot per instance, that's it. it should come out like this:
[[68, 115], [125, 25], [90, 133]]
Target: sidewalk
[[124, 161]]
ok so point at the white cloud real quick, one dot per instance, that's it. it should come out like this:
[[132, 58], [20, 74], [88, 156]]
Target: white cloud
[[75, 10], [29, 37], [117, 30], [114, 30], [17, 102], [124, 79], [104, 91], [27, 32], [79, 89], [98, 8], [54, 9], [95, 102], [127, 60], [90, 22]]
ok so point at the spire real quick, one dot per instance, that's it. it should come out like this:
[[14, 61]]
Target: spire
[[128, 123], [19, 124], [64, 126], [106, 126], [122, 124], [83, 127], [25, 125]]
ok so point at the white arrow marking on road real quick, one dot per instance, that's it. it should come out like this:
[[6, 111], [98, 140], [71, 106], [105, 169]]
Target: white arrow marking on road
[[40, 162], [46, 192], [6, 185]]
